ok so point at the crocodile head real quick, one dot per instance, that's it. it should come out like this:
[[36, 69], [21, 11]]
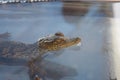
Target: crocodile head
[[57, 41]]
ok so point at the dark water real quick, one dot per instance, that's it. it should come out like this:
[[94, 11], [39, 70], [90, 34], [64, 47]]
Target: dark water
[[28, 22]]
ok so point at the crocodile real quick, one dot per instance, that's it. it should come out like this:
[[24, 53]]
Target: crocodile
[[56, 42], [32, 54]]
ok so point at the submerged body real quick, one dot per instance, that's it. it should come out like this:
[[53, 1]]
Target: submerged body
[[32, 53]]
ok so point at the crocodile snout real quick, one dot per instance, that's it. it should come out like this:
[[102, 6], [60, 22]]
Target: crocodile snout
[[58, 41]]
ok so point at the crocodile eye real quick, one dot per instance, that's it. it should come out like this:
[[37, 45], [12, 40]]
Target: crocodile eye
[[59, 34], [41, 40]]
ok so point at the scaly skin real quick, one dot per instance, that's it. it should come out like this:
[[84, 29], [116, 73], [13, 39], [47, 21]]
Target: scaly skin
[[57, 42]]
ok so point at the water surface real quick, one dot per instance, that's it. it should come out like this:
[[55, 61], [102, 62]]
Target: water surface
[[28, 22]]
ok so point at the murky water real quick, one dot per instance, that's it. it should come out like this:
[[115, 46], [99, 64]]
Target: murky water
[[28, 22]]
